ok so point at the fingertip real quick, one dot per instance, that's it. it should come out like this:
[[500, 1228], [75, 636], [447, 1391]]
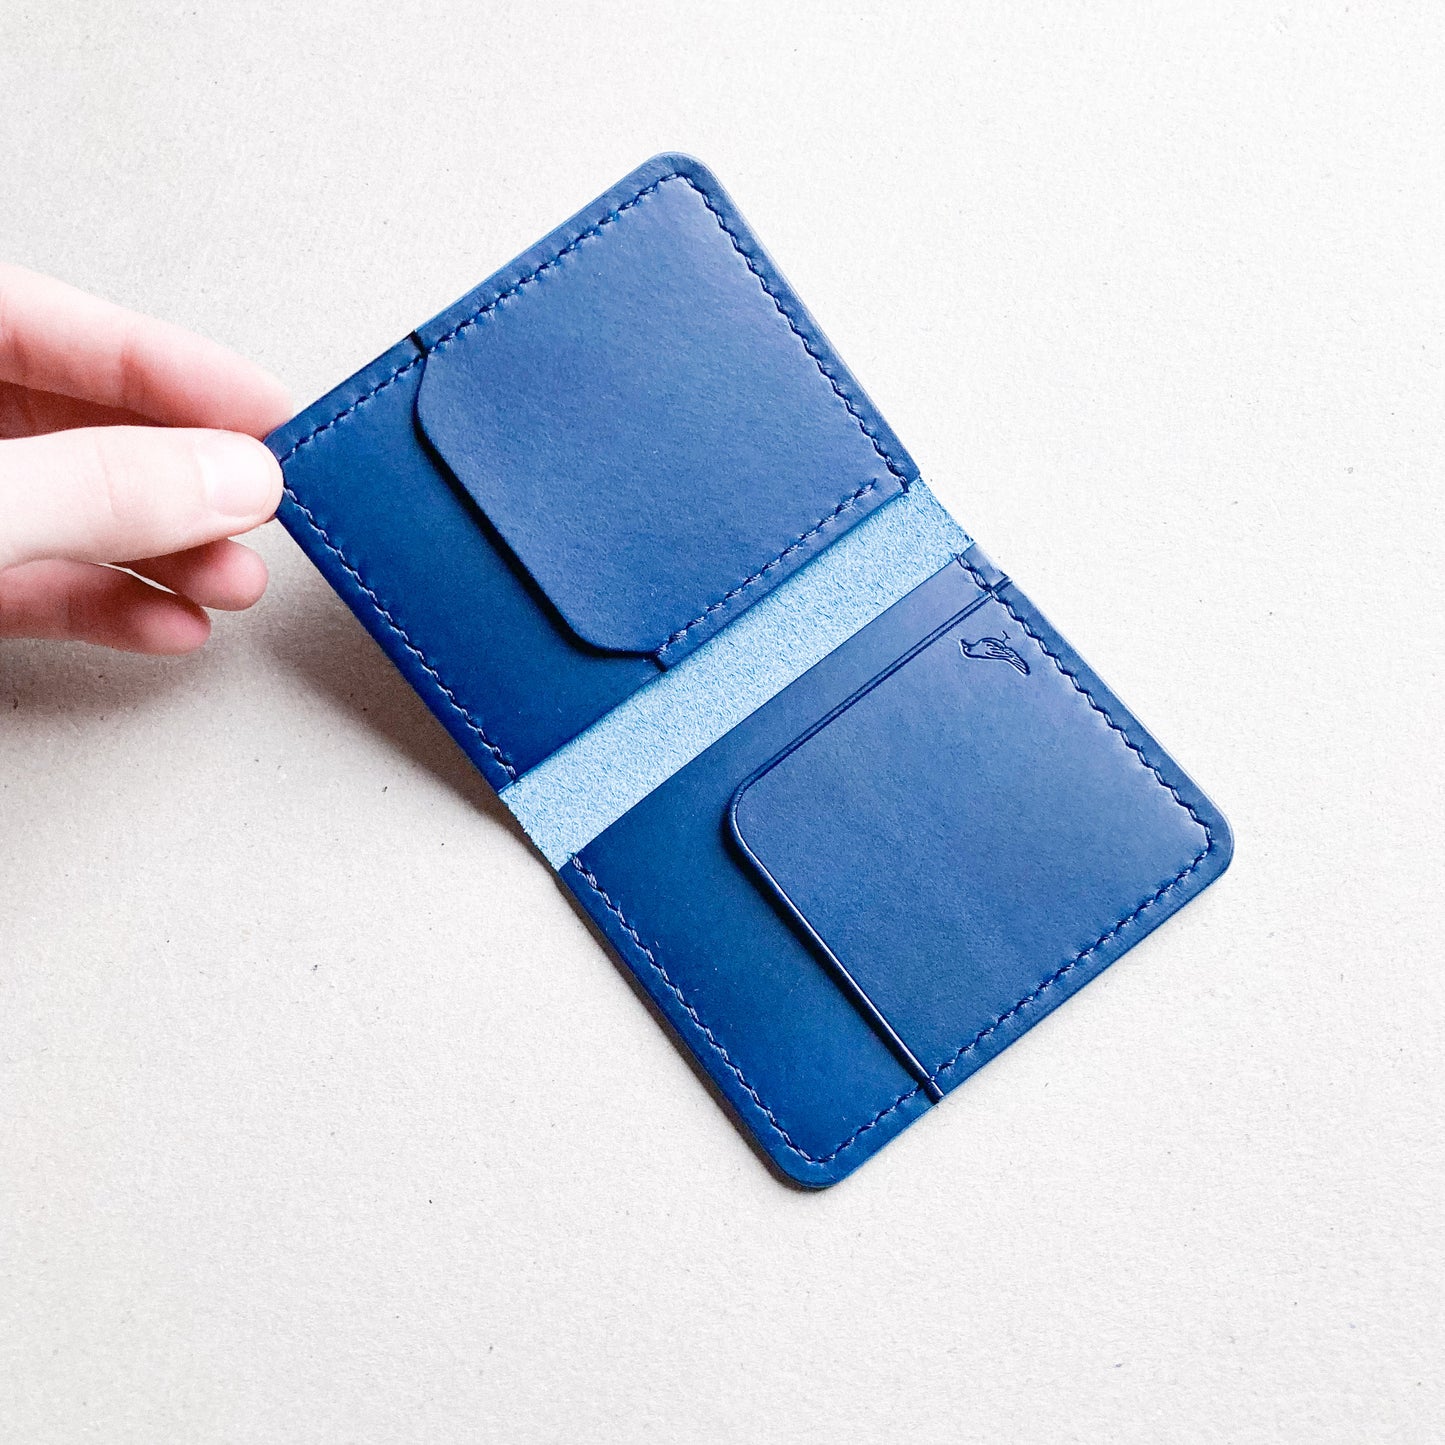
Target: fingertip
[[224, 575], [109, 493], [242, 479], [243, 583], [163, 626]]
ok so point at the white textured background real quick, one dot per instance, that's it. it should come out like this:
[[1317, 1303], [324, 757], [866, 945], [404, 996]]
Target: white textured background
[[322, 1118]]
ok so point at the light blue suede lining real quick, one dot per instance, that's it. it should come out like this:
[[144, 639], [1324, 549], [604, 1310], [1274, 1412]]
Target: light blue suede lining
[[586, 785]]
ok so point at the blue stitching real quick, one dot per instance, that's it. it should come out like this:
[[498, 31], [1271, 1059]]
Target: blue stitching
[[793, 326], [345, 412], [845, 505], [1089, 698], [1075, 961], [592, 882], [774, 1122], [514, 290], [400, 631], [567, 250], [1128, 918], [476, 316], [1031, 997], [381, 386]]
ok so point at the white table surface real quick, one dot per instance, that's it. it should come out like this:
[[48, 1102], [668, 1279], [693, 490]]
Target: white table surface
[[322, 1116]]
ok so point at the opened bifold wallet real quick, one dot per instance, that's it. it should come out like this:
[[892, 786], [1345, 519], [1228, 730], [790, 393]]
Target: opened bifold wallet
[[847, 808]]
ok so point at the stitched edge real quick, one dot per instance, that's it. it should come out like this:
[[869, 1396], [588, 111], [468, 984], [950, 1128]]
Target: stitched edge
[[506, 295], [1167, 887], [482, 310], [496, 752], [773, 1121], [797, 331], [1089, 698], [346, 411], [821, 524], [386, 381], [400, 631], [1008, 1014], [1067, 968]]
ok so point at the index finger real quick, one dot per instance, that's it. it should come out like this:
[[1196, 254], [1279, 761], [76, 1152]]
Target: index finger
[[58, 339]]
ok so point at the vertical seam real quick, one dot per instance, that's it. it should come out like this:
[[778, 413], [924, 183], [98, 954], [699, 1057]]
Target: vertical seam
[[713, 1042], [821, 525], [381, 610]]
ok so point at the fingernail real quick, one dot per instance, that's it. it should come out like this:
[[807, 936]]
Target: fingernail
[[241, 477]]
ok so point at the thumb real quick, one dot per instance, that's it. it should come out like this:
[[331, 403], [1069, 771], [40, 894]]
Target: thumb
[[110, 494]]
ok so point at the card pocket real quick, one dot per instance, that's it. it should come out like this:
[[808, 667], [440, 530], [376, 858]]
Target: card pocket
[[977, 822], [895, 867], [586, 467], [647, 415]]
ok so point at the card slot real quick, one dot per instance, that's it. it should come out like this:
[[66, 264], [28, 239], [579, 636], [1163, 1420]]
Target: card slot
[[851, 986], [972, 833], [817, 1084]]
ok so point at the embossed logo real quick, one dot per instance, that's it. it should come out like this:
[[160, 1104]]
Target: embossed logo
[[996, 648]]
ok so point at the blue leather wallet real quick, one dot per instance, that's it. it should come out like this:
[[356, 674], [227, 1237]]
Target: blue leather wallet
[[849, 811]]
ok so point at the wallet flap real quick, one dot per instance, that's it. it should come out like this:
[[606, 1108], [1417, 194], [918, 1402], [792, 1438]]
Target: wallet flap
[[967, 828], [650, 420]]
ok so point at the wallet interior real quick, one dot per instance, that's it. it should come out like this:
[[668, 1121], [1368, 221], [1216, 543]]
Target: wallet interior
[[849, 810], [949, 824]]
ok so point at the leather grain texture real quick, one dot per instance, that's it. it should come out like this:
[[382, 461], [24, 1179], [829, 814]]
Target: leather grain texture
[[973, 850], [651, 423], [414, 561], [886, 872], [674, 547], [1006, 819]]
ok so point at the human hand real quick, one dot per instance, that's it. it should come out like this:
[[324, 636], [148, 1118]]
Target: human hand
[[125, 443]]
